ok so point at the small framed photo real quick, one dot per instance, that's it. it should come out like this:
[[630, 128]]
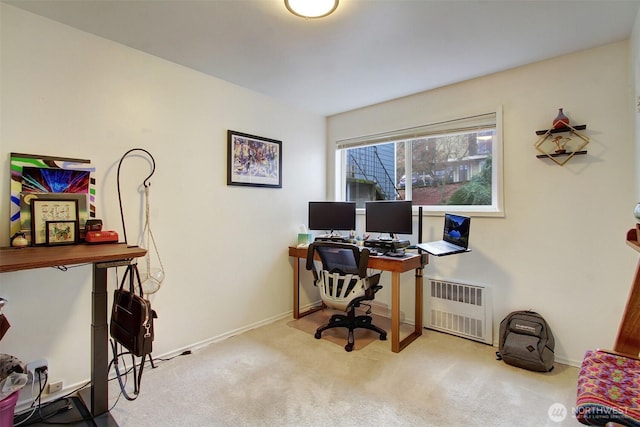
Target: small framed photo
[[253, 160], [43, 210], [61, 232]]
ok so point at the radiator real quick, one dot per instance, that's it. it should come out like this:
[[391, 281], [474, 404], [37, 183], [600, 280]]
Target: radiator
[[459, 309]]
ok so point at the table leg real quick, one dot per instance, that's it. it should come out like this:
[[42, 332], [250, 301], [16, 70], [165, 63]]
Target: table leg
[[96, 398], [419, 301], [395, 312], [396, 344], [99, 343], [296, 288], [296, 293]]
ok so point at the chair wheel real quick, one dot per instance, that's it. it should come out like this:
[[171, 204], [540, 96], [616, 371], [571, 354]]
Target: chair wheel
[[348, 347], [383, 337], [318, 335]]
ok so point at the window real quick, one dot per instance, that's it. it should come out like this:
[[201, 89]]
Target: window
[[448, 166]]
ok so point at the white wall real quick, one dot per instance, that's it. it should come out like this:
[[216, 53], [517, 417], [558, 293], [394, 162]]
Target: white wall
[[68, 93], [560, 249], [635, 70]]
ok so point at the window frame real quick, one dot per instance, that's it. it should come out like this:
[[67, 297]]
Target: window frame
[[496, 209]]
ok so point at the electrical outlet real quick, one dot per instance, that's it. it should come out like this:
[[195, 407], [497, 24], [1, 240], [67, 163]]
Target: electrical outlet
[[37, 369], [54, 387]]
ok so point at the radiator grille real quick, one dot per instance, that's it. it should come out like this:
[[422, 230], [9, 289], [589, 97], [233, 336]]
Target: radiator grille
[[459, 309]]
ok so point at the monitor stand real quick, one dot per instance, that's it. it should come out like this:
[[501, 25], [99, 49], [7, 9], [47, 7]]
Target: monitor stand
[[396, 253], [386, 237], [333, 236]]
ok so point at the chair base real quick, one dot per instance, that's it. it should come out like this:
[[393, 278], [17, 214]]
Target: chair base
[[351, 322]]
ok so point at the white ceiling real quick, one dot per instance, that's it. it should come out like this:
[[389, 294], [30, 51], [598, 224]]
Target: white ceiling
[[367, 52]]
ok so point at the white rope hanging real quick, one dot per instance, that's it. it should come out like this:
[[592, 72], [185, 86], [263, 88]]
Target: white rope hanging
[[154, 277]]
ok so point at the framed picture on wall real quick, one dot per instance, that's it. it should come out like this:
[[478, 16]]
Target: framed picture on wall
[[43, 210], [253, 160]]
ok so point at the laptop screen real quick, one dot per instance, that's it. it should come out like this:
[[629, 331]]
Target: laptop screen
[[456, 229]]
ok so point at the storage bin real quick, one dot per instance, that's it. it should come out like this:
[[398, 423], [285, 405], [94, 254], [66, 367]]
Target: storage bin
[[7, 407]]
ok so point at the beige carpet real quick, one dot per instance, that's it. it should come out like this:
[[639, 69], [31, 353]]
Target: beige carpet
[[279, 375]]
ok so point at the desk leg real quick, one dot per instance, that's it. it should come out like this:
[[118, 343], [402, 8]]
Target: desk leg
[[296, 288], [419, 301], [395, 312], [99, 344], [398, 345], [97, 398], [296, 293]]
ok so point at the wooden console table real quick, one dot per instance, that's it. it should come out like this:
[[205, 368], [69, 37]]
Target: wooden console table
[[394, 265], [102, 257], [628, 339]]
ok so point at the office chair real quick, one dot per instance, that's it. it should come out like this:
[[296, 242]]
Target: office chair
[[344, 285]]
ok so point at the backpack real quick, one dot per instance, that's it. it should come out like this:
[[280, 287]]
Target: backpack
[[526, 341]]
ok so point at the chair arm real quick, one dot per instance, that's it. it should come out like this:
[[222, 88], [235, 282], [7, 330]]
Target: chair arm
[[310, 257], [617, 353]]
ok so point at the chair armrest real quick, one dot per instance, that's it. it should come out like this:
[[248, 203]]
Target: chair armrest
[[374, 279], [617, 353], [310, 255]]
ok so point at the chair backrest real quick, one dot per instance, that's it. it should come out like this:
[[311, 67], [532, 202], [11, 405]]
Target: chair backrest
[[343, 277], [342, 257]]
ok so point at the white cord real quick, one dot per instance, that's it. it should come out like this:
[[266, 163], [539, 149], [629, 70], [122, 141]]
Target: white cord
[[34, 409]]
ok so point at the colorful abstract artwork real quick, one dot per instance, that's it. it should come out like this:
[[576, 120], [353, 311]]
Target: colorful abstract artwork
[[33, 176], [253, 160], [44, 180]]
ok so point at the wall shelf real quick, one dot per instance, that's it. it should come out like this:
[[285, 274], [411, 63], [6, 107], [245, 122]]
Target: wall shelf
[[559, 130], [553, 145], [574, 153]]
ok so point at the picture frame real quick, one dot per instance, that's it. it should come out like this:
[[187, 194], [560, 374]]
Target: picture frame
[[253, 161], [61, 233], [25, 208], [43, 210], [58, 184]]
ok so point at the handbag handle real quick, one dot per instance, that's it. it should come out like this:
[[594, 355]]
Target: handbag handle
[[129, 272]]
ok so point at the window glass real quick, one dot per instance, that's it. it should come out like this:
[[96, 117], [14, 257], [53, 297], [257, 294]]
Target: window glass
[[449, 166]]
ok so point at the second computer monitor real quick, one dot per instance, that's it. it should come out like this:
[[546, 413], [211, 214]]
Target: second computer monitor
[[389, 216], [332, 216]]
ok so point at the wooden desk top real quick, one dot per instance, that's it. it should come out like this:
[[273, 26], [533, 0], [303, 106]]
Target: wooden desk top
[[13, 259], [398, 265]]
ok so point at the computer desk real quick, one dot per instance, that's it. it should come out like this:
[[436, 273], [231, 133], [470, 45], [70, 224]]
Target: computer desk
[[102, 257], [395, 266]]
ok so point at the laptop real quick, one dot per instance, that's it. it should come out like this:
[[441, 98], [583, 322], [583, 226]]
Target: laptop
[[455, 237]]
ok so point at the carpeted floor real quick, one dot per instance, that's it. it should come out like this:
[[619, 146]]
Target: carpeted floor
[[280, 375], [338, 336]]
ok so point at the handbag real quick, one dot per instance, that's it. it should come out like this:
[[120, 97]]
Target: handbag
[[132, 327], [132, 316]]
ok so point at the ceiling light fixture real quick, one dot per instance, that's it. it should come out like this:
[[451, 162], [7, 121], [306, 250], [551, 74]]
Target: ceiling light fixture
[[311, 8]]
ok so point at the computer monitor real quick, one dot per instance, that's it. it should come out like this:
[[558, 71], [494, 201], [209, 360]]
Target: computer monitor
[[332, 216], [389, 216]]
